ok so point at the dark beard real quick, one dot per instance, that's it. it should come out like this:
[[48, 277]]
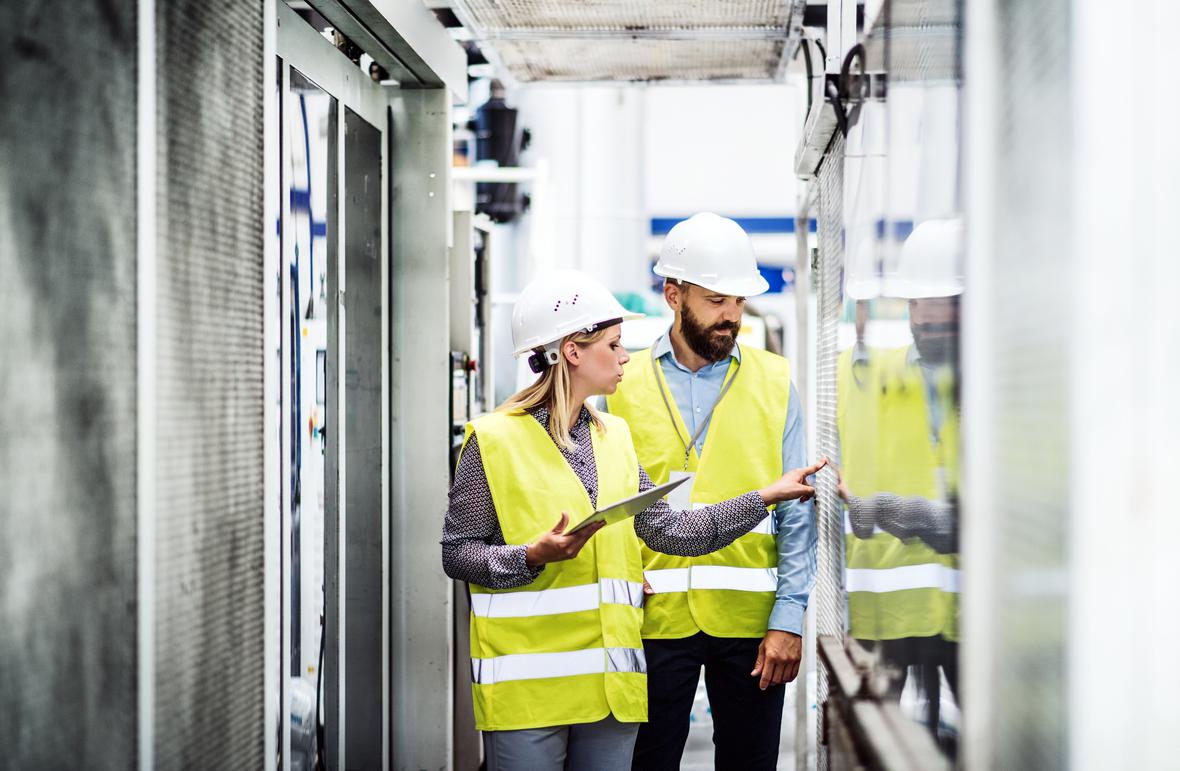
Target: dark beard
[[702, 341], [935, 349]]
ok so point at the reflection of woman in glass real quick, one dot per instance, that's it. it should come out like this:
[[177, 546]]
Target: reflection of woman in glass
[[558, 667], [934, 522]]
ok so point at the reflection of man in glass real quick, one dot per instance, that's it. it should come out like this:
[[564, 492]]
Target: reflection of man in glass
[[898, 418]]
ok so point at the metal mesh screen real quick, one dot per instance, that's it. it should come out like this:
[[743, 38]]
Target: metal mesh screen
[[916, 40], [829, 581], [68, 380], [631, 59], [622, 41], [1026, 379], [209, 611], [492, 15]]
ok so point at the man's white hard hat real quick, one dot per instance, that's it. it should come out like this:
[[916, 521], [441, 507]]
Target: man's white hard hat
[[558, 304], [713, 252], [862, 276], [930, 263]]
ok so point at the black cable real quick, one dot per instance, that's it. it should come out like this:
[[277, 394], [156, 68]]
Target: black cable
[[833, 94], [810, 73], [856, 52], [320, 763]]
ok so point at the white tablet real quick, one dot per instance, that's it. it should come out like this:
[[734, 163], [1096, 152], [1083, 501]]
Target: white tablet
[[629, 507]]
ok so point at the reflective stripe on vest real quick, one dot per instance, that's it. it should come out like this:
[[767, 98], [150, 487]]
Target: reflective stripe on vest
[[536, 666], [742, 452], [588, 608], [939, 577], [549, 602], [896, 588], [712, 577]]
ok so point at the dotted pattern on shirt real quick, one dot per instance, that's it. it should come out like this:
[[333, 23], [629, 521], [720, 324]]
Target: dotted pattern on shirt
[[905, 518], [473, 542]]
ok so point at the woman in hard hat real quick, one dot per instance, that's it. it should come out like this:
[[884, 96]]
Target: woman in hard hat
[[557, 661]]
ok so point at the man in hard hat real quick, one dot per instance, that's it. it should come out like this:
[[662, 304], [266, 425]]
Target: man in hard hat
[[898, 422], [701, 406]]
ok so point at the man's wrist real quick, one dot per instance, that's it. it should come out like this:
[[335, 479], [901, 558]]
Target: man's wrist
[[786, 616]]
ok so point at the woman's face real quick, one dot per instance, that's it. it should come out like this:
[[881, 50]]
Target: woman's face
[[600, 364]]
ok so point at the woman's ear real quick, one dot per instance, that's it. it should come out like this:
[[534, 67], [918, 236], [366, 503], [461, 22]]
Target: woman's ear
[[571, 352]]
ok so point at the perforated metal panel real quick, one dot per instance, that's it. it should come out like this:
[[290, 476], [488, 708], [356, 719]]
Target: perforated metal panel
[[209, 610], [916, 40], [621, 40], [628, 59], [496, 15], [68, 382], [829, 582], [1026, 382]]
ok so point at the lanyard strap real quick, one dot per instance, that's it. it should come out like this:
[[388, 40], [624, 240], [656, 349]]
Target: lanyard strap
[[671, 416]]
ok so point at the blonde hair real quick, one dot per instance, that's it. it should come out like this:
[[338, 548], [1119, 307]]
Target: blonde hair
[[552, 391]]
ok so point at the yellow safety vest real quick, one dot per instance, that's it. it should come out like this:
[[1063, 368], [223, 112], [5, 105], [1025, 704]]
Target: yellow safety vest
[[896, 589], [729, 593], [566, 648]]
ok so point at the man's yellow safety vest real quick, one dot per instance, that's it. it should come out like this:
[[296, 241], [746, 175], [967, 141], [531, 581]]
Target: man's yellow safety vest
[[729, 593], [896, 589], [566, 648]]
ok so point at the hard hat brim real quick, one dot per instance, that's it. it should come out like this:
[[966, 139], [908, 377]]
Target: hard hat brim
[[862, 289], [626, 316], [903, 289], [751, 286]]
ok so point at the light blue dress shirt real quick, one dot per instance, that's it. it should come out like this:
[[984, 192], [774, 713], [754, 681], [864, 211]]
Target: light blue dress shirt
[[695, 394]]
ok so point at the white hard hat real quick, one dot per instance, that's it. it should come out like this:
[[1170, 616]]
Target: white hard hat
[[558, 304], [713, 252], [862, 275], [931, 262]]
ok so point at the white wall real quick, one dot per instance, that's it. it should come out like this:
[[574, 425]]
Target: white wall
[[619, 155], [728, 149], [611, 157]]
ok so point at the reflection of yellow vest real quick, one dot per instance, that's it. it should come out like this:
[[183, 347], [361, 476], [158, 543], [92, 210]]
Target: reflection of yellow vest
[[896, 589], [730, 592], [566, 648]]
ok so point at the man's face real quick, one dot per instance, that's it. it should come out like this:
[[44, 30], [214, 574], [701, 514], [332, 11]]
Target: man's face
[[934, 323], [709, 321]]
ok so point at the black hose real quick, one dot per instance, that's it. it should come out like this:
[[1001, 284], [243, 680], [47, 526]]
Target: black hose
[[810, 73], [833, 94], [320, 762], [854, 53]]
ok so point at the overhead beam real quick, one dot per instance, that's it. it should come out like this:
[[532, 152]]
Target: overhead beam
[[405, 38]]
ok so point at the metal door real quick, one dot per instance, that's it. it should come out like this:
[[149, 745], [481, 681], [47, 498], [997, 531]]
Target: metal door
[[331, 425]]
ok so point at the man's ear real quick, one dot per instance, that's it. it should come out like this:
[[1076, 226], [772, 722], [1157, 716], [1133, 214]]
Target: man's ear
[[571, 352], [673, 294]]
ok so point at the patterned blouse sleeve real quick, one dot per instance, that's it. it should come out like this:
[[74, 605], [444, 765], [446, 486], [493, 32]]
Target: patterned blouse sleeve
[[691, 533], [473, 548]]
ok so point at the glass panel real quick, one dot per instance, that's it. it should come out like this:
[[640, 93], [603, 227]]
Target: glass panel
[[309, 125], [898, 372]]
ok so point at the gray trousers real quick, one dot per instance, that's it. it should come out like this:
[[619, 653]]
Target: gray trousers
[[603, 746]]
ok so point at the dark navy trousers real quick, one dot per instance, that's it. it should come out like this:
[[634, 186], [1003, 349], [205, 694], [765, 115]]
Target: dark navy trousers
[[746, 720]]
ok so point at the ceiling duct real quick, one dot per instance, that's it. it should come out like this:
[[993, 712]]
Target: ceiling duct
[[621, 40]]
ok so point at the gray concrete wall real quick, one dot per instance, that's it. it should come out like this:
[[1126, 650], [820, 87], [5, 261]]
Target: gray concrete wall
[[67, 385]]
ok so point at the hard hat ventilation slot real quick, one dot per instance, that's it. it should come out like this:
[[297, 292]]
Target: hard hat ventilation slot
[[572, 302]]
